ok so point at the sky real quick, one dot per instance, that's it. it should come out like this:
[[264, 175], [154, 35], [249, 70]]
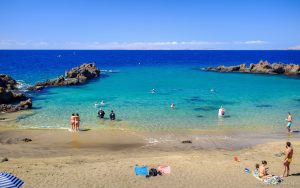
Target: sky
[[150, 24]]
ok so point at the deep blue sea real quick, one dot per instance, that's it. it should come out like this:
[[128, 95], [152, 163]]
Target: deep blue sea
[[251, 101]]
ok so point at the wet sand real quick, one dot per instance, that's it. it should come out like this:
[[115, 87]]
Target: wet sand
[[106, 158]]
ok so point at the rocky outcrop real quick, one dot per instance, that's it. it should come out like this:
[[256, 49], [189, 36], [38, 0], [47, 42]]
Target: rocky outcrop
[[75, 76], [263, 67], [12, 100]]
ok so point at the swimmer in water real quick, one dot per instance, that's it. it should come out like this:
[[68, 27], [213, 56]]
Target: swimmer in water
[[172, 105], [102, 103], [96, 105], [112, 115], [221, 112], [152, 91], [101, 113]]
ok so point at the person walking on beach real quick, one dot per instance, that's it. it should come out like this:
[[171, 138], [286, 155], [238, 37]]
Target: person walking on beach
[[77, 122], [287, 159], [289, 122], [72, 121], [112, 115]]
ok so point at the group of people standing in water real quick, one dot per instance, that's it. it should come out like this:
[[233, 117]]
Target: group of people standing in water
[[101, 114]]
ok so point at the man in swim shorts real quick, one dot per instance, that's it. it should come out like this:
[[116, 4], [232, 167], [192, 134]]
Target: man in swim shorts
[[289, 120], [287, 158]]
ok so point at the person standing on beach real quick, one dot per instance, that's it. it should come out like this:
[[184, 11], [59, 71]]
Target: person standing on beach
[[287, 159], [77, 121], [73, 122], [289, 120], [112, 115]]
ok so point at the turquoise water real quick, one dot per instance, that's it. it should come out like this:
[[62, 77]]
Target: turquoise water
[[251, 102]]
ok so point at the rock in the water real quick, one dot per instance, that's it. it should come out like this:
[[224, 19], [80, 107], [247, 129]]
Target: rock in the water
[[7, 82], [263, 67], [12, 100], [75, 76]]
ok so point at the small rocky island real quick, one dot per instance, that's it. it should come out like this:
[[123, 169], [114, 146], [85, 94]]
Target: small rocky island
[[263, 67], [12, 100], [75, 76]]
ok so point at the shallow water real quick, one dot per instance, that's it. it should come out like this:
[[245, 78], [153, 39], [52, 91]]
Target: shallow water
[[250, 101]]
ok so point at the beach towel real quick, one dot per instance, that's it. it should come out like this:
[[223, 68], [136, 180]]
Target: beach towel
[[274, 180], [164, 169], [255, 174], [141, 170]]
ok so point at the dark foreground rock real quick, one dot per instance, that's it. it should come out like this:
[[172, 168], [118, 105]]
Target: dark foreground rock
[[11, 99], [263, 67], [75, 76]]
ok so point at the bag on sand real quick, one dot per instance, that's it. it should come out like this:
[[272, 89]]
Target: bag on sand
[[152, 172]]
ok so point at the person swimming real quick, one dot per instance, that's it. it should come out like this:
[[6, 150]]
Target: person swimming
[[172, 106], [102, 103], [96, 105], [221, 112], [112, 115], [101, 113], [152, 91]]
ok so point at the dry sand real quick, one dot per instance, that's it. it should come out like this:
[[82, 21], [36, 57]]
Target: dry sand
[[58, 158]]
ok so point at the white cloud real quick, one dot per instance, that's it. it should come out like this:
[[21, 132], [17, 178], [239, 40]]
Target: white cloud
[[295, 47], [13, 44], [251, 42], [159, 45], [166, 45]]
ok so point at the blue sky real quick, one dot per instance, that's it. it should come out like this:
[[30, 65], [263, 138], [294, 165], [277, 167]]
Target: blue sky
[[152, 24]]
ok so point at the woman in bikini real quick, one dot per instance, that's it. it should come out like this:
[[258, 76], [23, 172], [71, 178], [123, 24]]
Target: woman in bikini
[[263, 171], [77, 121], [72, 121]]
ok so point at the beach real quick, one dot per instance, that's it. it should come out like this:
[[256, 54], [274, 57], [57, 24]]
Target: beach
[[59, 158]]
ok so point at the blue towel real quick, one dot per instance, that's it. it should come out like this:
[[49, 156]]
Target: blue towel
[[141, 170]]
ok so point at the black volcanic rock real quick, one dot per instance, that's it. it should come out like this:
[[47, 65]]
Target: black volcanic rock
[[75, 76], [263, 67], [12, 100]]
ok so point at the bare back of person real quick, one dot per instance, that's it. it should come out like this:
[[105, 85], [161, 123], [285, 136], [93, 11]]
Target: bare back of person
[[287, 159]]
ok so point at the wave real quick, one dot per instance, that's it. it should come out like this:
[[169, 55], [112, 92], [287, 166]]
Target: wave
[[110, 71], [22, 85]]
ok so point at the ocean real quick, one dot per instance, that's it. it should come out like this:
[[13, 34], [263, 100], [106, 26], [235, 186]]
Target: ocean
[[251, 102]]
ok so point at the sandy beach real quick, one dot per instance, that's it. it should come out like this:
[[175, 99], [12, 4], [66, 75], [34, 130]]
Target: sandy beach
[[59, 158]]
